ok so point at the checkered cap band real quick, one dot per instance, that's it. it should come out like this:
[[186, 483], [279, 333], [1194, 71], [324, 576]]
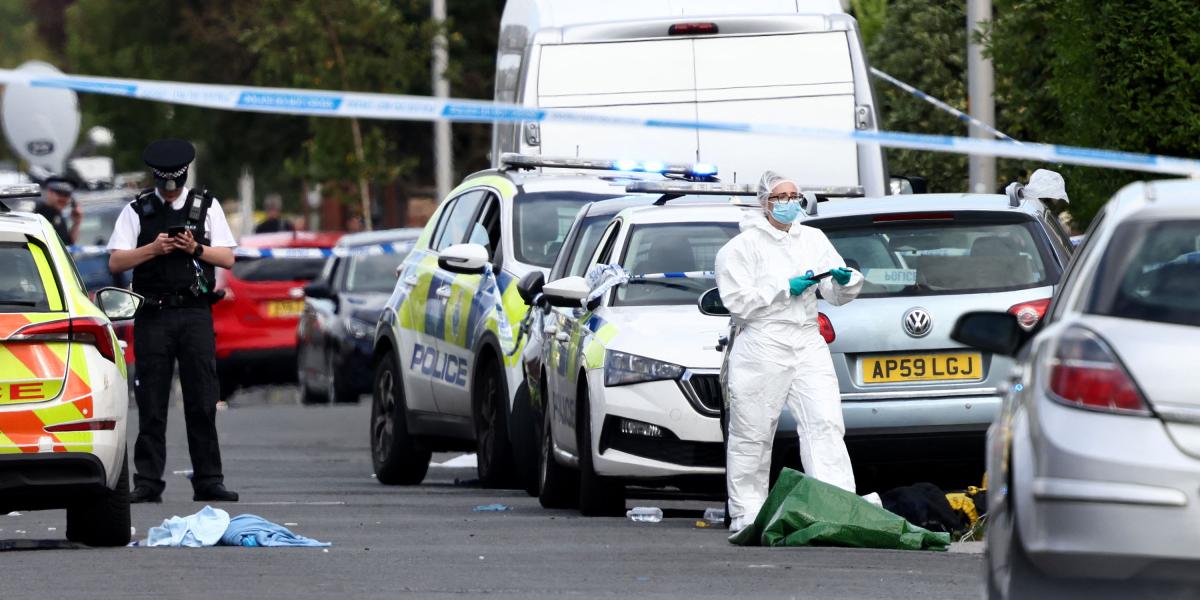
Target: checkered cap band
[[170, 174]]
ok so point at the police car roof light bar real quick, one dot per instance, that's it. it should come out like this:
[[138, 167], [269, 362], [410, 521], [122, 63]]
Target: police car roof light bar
[[24, 190], [696, 171]]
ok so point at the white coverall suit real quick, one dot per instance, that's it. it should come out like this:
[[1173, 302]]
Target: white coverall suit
[[779, 357]]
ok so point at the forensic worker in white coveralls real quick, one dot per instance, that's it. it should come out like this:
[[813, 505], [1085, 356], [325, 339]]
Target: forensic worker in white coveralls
[[766, 279]]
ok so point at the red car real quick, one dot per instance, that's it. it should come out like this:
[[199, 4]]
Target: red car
[[255, 323]]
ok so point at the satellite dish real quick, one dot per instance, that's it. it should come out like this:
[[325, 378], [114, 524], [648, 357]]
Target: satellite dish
[[41, 123]]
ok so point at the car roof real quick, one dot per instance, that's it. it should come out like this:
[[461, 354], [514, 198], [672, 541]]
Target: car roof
[[558, 180], [846, 207], [700, 209], [1166, 198], [368, 238], [23, 223], [293, 239]]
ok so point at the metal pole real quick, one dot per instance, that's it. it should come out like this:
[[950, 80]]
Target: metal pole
[[980, 88], [246, 208], [443, 159]]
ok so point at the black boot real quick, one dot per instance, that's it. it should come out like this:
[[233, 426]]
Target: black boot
[[141, 495], [215, 493]]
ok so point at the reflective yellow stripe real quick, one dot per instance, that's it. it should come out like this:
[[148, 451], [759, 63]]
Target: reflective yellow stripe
[[593, 353], [7, 446], [53, 295]]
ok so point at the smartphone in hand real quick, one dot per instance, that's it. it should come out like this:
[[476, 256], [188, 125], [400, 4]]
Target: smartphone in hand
[[176, 230]]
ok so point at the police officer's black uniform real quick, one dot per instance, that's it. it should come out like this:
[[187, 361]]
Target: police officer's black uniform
[[175, 324], [54, 214]]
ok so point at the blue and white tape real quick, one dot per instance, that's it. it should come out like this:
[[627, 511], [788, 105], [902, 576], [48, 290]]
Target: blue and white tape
[[424, 108], [341, 251], [958, 114]]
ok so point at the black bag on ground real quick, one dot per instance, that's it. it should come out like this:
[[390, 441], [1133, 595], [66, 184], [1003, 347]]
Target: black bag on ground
[[924, 505]]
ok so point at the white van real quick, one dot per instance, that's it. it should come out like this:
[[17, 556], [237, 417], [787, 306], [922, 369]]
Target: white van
[[798, 62]]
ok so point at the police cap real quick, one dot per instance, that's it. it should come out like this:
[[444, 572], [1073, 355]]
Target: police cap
[[169, 159], [60, 184]]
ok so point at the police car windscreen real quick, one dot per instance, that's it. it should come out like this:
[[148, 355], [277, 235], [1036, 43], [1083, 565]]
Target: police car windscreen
[[1151, 272], [21, 286], [541, 221], [951, 256], [671, 248], [278, 269]]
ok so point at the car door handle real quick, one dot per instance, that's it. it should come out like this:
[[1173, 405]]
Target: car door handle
[[410, 281], [443, 292], [562, 336]]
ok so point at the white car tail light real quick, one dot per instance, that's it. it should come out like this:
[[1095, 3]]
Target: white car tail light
[[1029, 313], [1084, 373], [83, 330]]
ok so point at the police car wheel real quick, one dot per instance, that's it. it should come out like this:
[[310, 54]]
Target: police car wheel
[[398, 458], [558, 486], [102, 519], [489, 400], [522, 432], [599, 496]]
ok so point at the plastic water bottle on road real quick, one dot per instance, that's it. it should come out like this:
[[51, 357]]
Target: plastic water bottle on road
[[714, 516], [645, 514]]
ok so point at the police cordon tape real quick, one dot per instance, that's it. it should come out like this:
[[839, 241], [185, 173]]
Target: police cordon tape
[[340, 251], [424, 108], [958, 114]]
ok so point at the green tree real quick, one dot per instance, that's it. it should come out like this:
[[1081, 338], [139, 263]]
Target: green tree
[[923, 44], [871, 16]]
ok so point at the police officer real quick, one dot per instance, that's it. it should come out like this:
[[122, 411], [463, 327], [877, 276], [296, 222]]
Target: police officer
[[54, 202], [173, 238]]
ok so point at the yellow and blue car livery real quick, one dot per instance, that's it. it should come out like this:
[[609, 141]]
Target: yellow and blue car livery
[[452, 337], [63, 380]]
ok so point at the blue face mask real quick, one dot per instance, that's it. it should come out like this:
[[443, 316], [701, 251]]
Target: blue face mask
[[785, 212]]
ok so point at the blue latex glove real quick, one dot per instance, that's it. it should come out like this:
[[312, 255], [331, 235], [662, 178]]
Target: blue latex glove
[[799, 283], [841, 275]]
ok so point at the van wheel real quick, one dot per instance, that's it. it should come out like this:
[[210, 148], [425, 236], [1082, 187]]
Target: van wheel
[[522, 432], [598, 496], [558, 486], [489, 403], [398, 458], [102, 519]]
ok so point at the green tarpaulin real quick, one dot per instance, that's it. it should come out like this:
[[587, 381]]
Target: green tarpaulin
[[802, 511]]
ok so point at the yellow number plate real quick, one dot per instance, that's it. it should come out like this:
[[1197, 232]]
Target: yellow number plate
[[922, 367], [285, 308]]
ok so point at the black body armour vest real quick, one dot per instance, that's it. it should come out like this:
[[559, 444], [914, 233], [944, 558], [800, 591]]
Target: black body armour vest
[[173, 273]]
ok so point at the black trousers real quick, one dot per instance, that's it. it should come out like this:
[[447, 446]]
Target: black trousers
[[162, 336]]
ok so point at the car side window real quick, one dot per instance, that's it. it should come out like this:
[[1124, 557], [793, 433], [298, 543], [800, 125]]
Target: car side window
[[457, 220], [485, 231], [1070, 278], [603, 250]]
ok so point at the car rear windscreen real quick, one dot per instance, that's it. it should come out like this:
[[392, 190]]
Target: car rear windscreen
[[21, 285], [1151, 272], [945, 256], [277, 269]]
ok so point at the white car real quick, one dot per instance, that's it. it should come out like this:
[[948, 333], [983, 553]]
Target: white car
[[63, 385], [631, 374]]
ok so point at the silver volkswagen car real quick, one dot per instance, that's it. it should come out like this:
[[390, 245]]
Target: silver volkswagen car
[[911, 396], [1095, 459]]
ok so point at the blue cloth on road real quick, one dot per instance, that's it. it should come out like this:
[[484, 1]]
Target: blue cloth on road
[[204, 528], [253, 530]]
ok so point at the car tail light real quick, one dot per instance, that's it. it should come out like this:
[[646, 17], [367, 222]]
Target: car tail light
[[1029, 313], [100, 425], [83, 330], [826, 328], [1085, 373], [693, 29]]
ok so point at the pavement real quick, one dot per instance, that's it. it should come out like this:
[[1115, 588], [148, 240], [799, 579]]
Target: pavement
[[309, 468]]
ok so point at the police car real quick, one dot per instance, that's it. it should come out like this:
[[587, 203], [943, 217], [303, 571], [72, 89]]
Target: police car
[[63, 385], [629, 366], [447, 371]]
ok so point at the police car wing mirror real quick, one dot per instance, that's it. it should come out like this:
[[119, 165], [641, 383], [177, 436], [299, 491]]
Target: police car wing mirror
[[568, 292], [530, 286], [318, 289], [118, 304], [710, 304], [465, 259], [991, 331]]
